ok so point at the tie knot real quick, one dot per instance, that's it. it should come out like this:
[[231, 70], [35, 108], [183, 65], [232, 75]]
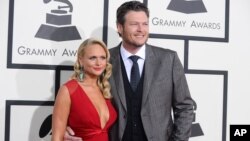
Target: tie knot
[[134, 58]]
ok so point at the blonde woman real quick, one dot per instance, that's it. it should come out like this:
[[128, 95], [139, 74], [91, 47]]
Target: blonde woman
[[83, 103]]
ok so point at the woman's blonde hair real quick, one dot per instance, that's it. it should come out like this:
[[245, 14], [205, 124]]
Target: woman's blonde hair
[[103, 82]]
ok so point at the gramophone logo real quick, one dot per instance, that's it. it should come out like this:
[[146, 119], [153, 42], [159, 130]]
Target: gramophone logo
[[196, 128], [58, 24], [187, 6], [46, 127]]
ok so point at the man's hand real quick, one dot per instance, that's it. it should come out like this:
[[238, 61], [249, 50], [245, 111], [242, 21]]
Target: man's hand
[[69, 135]]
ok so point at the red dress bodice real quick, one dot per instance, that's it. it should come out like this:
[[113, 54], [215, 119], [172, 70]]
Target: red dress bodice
[[84, 118]]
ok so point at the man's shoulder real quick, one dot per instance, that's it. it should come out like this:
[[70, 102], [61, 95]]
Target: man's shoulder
[[114, 51], [160, 50]]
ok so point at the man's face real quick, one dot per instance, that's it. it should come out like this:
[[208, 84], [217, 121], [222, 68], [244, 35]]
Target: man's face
[[135, 30]]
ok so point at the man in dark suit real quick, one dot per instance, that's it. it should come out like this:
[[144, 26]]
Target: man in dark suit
[[157, 106], [145, 114]]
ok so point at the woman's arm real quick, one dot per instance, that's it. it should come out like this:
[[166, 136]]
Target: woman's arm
[[60, 114]]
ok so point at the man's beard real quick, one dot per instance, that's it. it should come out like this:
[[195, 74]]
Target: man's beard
[[134, 44]]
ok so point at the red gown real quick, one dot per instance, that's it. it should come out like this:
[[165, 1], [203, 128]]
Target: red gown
[[84, 118]]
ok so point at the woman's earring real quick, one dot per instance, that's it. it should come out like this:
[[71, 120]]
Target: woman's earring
[[103, 74], [81, 74]]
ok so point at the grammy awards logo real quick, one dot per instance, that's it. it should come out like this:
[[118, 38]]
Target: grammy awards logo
[[46, 127], [58, 24], [187, 6], [196, 128]]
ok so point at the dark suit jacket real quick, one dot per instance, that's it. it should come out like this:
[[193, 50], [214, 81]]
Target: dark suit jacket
[[165, 95]]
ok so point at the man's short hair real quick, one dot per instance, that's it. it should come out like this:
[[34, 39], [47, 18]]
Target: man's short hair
[[129, 6]]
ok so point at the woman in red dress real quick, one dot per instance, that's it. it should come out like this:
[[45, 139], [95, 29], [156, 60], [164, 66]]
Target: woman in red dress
[[83, 103]]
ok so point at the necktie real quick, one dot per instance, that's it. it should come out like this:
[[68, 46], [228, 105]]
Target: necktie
[[135, 74]]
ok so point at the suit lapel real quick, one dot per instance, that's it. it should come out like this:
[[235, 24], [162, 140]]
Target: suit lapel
[[150, 70], [117, 75], [151, 65]]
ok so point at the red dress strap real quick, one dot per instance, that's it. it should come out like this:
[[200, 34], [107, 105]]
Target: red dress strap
[[72, 86]]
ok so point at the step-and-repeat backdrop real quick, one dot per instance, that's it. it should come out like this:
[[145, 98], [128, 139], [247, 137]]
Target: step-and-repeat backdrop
[[45, 34]]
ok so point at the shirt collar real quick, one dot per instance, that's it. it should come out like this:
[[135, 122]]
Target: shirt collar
[[125, 54]]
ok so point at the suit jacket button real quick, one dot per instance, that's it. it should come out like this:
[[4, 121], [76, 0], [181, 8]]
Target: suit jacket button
[[124, 116]]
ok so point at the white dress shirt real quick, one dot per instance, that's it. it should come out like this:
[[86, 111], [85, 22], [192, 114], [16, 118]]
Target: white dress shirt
[[128, 62]]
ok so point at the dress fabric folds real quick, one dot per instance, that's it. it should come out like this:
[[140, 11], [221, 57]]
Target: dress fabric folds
[[84, 118]]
